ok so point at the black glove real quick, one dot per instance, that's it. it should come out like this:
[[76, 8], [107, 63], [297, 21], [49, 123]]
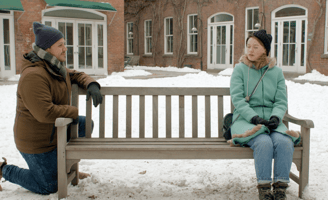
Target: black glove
[[93, 90], [258, 120], [273, 122], [75, 121]]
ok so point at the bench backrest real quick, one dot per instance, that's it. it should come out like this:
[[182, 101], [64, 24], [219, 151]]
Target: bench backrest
[[190, 95]]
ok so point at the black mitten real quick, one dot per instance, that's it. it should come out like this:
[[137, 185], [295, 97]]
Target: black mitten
[[258, 120], [93, 90], [273, 122]]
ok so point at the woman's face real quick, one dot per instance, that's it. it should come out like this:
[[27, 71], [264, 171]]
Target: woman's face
[[254, 49]]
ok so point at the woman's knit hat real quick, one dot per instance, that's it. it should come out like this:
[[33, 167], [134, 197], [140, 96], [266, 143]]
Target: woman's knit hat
[[46, 36], [264, 38]]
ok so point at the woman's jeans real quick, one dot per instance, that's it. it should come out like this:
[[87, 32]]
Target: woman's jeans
[[41, 177], [274, 146]]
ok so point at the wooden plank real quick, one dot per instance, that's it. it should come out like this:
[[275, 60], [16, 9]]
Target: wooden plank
[[128, 126], [304, 173], [194, 108], [168, 117], [151, 140], [88, 119], [155, 116], [207, 116], [71, 176], [163, 91], [142, 116], [181, 117], [294, 177], [115, 116], [75, 102], [220, 116], [61, 163], [102, 108]]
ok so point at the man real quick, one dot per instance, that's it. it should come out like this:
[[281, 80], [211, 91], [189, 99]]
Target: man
[[43, 94]]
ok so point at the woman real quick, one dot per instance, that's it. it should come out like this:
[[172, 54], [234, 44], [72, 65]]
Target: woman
[[259, 117]]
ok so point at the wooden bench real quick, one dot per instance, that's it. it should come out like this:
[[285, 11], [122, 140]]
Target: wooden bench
[[187, 145]]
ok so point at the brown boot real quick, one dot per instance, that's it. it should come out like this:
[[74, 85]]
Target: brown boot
[[2, 164], [265, 191], [279, 190]]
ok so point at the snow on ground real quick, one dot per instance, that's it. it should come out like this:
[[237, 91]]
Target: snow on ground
[[178, 179]]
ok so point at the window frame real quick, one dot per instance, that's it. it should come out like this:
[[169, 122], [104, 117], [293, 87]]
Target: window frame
[[148, 37], [325, 50], [167, 36], [247, 31], [128, 38], [191, 34]]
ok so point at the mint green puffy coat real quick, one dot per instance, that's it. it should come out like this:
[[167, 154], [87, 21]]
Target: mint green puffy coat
[[270, 98]]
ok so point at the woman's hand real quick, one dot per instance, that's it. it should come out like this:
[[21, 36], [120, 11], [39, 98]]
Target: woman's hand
[[258, 120], [273, 122]]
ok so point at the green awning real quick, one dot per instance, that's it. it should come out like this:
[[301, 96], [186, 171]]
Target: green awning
[[11, 5], [81, 4]]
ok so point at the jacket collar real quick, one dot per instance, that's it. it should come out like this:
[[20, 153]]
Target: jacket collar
[[271, 62]]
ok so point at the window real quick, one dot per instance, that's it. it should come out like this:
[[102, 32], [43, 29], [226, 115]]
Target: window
[[252, 17], [192, 34], [326, 31], [168, 36], [129, 42], [148, 36]]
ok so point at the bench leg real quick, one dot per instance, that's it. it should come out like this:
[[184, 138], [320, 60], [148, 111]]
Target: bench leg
[[304, 172], [75, 167], [61, 162]]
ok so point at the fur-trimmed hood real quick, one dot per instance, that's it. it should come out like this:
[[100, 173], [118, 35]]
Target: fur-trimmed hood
[[266, 61]]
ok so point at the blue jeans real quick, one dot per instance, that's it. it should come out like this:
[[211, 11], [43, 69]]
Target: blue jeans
[[274, 146], [41, 177]]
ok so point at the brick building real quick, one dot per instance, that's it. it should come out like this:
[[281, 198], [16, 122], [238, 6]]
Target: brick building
[[210, 34], [93, 33]]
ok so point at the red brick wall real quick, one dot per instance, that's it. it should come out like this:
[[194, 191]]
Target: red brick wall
[[236, 8], [24, 35]]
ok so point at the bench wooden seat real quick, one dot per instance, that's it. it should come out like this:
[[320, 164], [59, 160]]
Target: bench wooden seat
[[172, 146]]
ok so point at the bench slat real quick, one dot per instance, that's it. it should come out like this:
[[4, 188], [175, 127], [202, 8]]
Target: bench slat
[[102, 108], [155, 116], [115, 116], [220, 116], [207, 116], [181, 116], [142, 116], [168, 117], [128, 116], [88, 118], [194, 108], [75, 102]]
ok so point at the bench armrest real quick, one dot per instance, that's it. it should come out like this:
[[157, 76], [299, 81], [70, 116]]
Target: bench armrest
[[61, 121], [302, 122]]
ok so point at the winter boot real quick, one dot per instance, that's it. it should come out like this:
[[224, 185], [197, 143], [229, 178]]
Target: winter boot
[[2, 164], [279, 191], [265, 191]]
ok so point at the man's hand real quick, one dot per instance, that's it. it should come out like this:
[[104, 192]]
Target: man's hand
[[258, 120], [93, 90]]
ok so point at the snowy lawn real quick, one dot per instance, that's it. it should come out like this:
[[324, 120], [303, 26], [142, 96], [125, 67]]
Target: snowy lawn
[[179, 179]]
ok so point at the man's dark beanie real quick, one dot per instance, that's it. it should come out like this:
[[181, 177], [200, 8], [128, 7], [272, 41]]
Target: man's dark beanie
[[264, 38], [45, 36]]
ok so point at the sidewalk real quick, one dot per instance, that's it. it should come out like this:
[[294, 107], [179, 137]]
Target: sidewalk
[[163, 74]]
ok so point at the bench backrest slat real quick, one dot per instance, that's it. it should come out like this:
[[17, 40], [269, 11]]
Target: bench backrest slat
[[220, 115], [128, 116], [181, 116], [75, 102], [194, 117], [207, 116], [142, 116], [88, 118], [168, 121], [115, 116], [155, 116], [102, 108]]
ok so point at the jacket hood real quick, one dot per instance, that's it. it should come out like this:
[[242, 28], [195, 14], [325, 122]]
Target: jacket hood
[[271, 62]]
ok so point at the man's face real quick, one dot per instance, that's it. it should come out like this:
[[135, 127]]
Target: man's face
[[58, 50]]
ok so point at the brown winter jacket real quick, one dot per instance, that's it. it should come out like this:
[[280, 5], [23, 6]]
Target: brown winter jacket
[[43, 96]]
